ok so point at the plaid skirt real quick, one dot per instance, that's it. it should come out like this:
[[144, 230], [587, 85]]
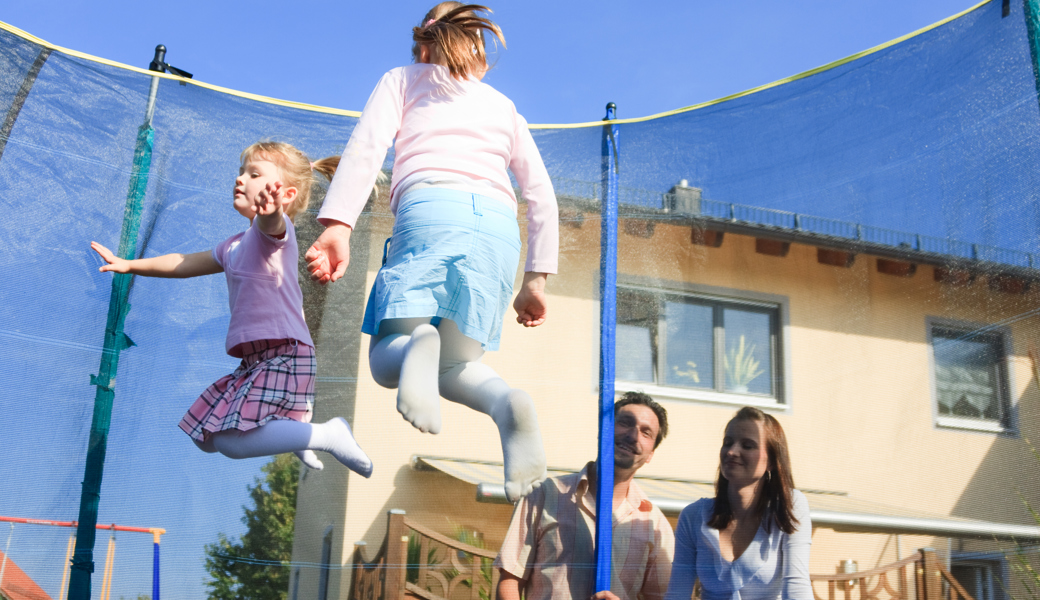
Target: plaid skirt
[[274, 381]]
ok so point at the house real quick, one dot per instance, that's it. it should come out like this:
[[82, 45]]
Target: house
[[16, 585], [902, 377], [860, 264]]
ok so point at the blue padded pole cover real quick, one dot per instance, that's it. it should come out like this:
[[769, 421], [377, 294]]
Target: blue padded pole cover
[[155, 572], [607, 322]]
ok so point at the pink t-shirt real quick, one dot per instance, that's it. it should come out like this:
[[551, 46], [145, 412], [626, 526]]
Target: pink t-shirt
[[450, 126], [263, 290]]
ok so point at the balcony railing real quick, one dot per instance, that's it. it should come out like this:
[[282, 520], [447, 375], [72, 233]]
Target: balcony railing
[[416, 562]]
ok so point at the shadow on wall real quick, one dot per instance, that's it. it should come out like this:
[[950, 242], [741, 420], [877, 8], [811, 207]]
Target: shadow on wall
[[1009, 467]]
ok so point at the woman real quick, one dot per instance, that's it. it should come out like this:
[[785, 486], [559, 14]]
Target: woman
[[752, 540]]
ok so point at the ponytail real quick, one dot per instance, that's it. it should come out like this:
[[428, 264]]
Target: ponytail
[[459, 35], [326, 166]]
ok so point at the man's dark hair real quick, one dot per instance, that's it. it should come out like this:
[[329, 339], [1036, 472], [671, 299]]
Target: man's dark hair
[[647, 401]]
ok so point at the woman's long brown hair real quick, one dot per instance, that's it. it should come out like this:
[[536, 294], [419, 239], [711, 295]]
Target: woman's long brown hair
[[774, 503], [459, 34]]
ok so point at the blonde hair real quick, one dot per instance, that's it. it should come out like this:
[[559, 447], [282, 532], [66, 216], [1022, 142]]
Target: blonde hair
[[295, 169], [298, 171], [459, 34]]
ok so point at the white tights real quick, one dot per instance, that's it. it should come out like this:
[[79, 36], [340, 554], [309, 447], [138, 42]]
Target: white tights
[[425, 362], [284, 435]]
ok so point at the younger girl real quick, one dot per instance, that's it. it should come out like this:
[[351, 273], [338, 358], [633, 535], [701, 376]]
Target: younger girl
[[264, 407], [439, 300]]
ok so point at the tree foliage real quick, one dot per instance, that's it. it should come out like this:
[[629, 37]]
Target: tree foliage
[[256, 567]]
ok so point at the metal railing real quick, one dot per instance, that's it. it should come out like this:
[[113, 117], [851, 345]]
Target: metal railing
[[713, 210]]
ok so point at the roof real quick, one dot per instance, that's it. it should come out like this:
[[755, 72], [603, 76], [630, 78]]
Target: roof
[[834, 510], [16, 585]]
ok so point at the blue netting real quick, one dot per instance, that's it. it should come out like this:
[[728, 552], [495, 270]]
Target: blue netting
[[928, 147]]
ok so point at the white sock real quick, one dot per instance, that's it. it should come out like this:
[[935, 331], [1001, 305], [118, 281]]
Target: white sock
[[336, 438], [477, 386], [309, 458], [283, 435], [406, 356]]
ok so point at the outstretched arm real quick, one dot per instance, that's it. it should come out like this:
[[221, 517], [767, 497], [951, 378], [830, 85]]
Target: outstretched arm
[[530, 305], [167, 265], [328, 257]]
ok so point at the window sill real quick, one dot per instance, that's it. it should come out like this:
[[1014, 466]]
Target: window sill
[[674, 393], [971, 424]]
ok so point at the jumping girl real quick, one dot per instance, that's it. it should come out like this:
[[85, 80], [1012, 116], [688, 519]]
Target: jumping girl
[[439, 300], [264, 407]]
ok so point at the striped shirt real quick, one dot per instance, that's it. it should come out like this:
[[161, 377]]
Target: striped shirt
[[550, 543]]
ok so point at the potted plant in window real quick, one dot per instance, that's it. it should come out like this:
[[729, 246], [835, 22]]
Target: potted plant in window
[[741, 366]]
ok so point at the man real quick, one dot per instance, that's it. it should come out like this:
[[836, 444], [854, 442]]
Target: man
[[549, 552]]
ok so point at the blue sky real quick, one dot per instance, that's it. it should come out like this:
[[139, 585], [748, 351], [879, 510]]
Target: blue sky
[[564, 60], [563, 63]]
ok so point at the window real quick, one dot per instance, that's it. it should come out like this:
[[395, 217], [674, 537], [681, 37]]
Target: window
[[698, 346], [326, 564], [980, 578], [970, 378]]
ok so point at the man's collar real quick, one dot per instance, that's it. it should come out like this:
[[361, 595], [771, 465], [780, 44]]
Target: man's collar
[[636, 497]]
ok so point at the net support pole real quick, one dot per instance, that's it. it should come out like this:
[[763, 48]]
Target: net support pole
[[3, 564], [1032, 14], [21, 96], [115, 342], [155, 563], [607, 324]]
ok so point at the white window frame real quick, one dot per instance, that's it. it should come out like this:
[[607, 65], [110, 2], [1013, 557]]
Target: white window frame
[[1010, 424], [782, 400]]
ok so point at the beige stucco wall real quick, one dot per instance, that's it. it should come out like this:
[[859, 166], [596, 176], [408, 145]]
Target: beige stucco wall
[[860, 417]]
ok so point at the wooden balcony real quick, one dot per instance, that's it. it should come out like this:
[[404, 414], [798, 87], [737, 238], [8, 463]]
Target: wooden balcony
[[415, 562]]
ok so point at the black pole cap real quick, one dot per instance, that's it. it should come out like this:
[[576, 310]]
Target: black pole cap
[[159, 62]]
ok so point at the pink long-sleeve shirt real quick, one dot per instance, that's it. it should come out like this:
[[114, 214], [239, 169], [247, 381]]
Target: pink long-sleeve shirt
[[448, 126]]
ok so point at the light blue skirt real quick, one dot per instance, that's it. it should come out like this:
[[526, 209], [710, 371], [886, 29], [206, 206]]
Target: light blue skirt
[[452, 255]]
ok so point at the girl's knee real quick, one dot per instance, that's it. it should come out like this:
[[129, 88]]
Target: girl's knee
[[206, 445], [225, 443], [385, 377]]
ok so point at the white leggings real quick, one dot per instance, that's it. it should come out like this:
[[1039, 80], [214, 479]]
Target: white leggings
[[462, 377]]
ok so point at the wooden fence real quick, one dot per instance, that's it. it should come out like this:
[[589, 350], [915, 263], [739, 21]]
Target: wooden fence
[[415, 562]]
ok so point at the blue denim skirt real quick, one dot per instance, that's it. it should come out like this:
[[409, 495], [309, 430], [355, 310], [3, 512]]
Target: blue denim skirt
[[452, 255]]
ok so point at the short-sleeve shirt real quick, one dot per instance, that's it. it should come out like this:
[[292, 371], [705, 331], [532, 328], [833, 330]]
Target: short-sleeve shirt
[[263, 287], [550, 544]]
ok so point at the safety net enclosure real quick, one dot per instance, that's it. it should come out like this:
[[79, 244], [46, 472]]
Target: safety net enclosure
[[853, 250]]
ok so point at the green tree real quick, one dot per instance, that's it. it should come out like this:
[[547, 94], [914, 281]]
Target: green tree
[[257, 566]]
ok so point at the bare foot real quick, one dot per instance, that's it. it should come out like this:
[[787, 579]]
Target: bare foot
[[521, 444], [418, 397]]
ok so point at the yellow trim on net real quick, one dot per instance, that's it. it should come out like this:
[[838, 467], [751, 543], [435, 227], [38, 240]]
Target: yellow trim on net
[[353, 113], [779, 82], [266, 99]]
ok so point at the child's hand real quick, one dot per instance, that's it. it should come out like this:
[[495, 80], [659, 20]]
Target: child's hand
[[328, 257], [530, 304], [115, 264], [270, 200]]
